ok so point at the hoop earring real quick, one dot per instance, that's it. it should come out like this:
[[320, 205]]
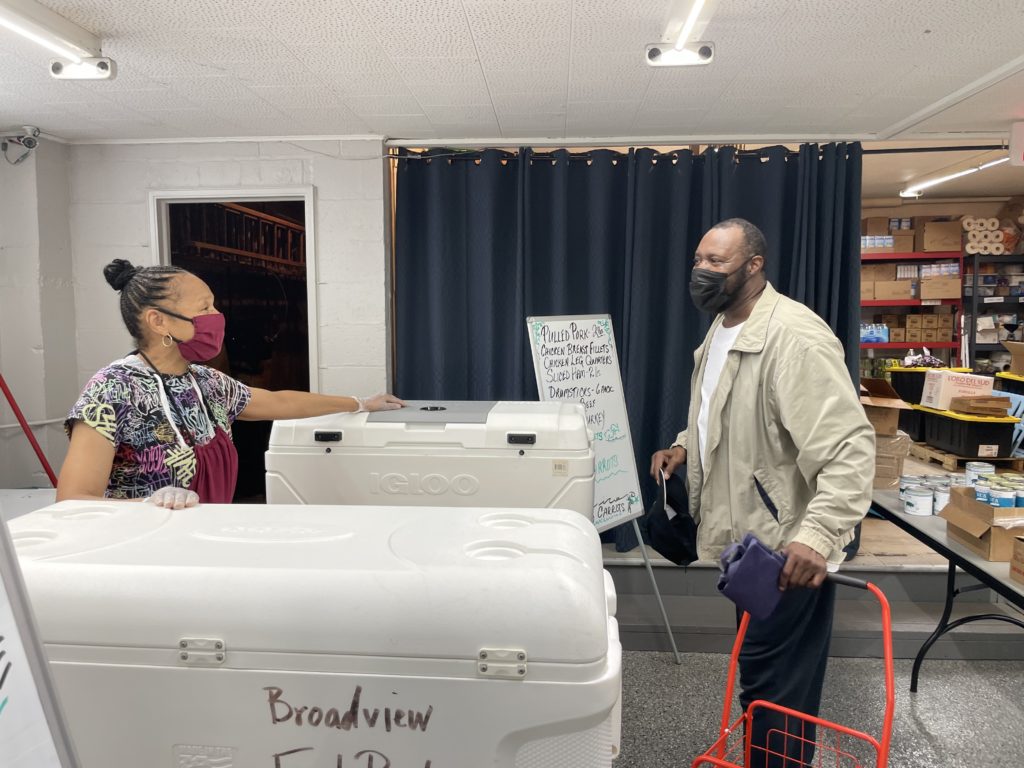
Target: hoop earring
[[167, 340]]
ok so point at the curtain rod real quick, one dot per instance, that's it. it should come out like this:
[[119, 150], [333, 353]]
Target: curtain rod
[[547, 154], [912, 150]]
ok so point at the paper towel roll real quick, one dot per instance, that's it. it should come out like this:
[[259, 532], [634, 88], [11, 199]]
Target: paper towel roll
[[973, 247], [992, 223], [997, 249], [968, 223], [974, 236]]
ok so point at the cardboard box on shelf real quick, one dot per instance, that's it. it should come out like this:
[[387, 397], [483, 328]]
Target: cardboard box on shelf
[[903, 242], [897, 335], [877, 272], [893, 321], [914, 334], [939, 236], [930, 335], [914, 322], [987, 336], [874, 225], [941, 288], [940, 387], [974, 524], [895, 290], [929, 321], [945, 322], [882, 405], [867, 291], [1017, 560]]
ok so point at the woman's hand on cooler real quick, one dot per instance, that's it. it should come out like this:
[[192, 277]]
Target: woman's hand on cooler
[[173, 497], [381, 402]]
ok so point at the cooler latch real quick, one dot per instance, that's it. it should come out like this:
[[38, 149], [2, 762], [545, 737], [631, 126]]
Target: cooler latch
[[507, 663], [201, 651]]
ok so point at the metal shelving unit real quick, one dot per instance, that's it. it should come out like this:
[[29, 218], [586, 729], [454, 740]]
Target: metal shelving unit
[[988, 304], [956, 347]]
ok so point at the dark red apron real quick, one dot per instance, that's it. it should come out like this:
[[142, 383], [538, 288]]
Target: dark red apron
[[216, 469]]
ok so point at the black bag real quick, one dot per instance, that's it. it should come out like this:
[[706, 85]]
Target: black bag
[[674, 539]]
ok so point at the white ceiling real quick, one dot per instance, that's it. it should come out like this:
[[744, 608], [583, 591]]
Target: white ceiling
[[436, 70]]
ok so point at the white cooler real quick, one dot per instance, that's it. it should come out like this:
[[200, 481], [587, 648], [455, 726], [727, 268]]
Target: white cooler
[[296, 637], [439, 453]]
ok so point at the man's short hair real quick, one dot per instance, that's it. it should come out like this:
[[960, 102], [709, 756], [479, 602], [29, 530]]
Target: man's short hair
[[754, 243]]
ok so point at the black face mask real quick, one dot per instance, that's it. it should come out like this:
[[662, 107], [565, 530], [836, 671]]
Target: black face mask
[[708, 291]]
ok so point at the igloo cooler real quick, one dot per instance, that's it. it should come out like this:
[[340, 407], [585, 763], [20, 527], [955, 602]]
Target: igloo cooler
[[444, 453], [297, 637]]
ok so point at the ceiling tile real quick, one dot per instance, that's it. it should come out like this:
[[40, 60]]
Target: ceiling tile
[[435, 29]]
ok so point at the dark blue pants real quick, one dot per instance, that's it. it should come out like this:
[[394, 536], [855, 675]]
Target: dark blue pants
[[783, 661]]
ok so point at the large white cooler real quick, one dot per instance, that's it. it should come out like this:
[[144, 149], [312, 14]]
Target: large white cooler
[[296, 637], [443, 453]]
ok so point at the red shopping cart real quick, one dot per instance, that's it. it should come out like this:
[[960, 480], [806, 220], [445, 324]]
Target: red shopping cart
[[790, 746]]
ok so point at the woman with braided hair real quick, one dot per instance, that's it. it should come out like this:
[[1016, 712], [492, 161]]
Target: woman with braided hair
[[156, 425]]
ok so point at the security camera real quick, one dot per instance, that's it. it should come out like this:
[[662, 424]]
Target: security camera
[[653, 54], [29, 140]]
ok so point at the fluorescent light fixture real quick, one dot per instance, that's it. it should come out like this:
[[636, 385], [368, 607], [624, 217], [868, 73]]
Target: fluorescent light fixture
[[915, 190], [686, 49], [86, 69], [689, 24], [39, 24]]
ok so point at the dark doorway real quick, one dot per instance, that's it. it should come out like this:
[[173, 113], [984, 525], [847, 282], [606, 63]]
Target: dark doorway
[[253, 257]]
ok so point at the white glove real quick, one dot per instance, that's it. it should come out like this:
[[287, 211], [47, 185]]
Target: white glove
[[381, 402], [173, 497]]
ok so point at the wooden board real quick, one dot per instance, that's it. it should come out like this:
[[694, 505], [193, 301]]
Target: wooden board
[[952, 462]]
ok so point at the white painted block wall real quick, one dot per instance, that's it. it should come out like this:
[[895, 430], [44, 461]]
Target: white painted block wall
[[109, 216], [37, 314], [105, 213]]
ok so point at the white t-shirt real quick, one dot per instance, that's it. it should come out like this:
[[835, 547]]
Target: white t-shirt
[[718, 351]]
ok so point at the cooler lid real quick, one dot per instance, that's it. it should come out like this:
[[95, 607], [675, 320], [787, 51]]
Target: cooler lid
[[442, 424], [436, 412], [409, 582]]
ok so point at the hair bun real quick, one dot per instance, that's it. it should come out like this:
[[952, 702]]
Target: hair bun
[[119, 272]]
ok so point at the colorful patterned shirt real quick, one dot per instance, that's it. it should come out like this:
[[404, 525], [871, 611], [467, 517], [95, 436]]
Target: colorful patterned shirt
[[123, 403]]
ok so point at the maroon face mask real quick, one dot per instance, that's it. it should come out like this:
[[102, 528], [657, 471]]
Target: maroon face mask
[[205, 344]]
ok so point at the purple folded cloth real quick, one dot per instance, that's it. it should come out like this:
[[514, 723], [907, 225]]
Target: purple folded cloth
[[750, 576]]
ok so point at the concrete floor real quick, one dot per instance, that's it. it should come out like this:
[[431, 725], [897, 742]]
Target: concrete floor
[[965, 714]]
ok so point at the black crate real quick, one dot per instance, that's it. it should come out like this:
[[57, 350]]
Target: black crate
[[965, 438], [1009, 385], [909, 382], [909, 385], [912, 422]]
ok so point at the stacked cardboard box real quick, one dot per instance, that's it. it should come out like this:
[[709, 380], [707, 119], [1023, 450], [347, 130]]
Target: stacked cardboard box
[[976, 525], [1017, 560], [880, 234], [941, 386], [889, 455], [919, 327], [882, 405]]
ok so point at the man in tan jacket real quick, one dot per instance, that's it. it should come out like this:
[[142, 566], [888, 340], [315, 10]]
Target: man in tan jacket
[[778, 445]]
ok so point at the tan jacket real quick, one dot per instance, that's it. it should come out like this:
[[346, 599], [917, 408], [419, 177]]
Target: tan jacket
[[790, 453]]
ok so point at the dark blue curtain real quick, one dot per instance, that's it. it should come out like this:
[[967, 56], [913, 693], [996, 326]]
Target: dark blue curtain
[[485, 239]]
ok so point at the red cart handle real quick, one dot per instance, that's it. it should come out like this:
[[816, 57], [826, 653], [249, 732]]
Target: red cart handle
[[890, 675]]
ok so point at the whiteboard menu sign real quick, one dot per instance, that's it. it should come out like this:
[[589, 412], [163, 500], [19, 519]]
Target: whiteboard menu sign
[[32, 734], [575, 361]]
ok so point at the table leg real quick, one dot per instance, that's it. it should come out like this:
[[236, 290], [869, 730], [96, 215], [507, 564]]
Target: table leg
[[945, 625]]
